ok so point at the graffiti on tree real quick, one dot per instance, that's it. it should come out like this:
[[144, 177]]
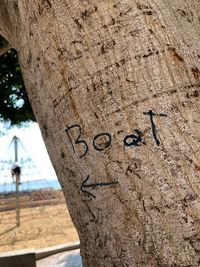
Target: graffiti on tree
[[86, 185], [103, 141]]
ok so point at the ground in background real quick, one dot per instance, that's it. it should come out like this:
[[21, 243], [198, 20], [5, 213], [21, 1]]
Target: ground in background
[[40, 227]]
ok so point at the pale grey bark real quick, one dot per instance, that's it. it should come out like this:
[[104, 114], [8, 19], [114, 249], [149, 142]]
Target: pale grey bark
[[115, 88]]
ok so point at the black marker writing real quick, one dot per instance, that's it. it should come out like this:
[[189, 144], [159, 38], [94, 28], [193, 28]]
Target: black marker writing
[[78, 140], [93, 185], [102, 145], [133, 139], [153, 126]]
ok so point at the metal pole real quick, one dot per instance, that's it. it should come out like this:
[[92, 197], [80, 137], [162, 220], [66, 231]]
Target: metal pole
[[16, 147], [17, 183]]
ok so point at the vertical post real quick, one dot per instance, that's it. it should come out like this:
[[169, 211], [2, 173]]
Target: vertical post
[[17, 183], [16, 148]]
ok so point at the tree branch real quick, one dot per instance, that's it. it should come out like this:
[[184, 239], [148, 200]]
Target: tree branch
[[5, 49], [6, 25]]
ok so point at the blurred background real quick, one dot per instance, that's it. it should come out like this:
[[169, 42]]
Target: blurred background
[[33, 212]]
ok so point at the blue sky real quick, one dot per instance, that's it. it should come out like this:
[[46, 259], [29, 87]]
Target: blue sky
[[33, 142]]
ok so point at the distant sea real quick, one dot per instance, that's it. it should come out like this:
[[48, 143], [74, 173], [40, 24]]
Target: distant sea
[[30, 186]]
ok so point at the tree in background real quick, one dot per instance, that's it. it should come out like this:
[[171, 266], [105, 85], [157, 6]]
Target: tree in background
[[15, 107], [114, 86]]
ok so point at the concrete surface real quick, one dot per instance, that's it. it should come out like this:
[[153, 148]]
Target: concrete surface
[[64, 259], [21, 258]]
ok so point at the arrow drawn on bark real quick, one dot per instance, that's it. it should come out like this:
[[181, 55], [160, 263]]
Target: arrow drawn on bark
[[93, 185]]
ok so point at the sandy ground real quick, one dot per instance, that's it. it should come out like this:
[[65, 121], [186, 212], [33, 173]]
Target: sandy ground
[[40, 227]]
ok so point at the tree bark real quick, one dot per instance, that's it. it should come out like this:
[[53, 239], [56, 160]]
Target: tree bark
[[115, 88]]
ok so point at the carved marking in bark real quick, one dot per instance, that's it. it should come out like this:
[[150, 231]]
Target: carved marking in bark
[[44, 7], [196, 73]]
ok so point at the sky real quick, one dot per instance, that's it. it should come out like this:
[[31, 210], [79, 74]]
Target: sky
[[31, 139]]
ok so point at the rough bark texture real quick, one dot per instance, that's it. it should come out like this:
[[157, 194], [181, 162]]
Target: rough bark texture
[[115, 88]]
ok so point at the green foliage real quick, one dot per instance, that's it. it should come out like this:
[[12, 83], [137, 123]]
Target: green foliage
[[14, 104]]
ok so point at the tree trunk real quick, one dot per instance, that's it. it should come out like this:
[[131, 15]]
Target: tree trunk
[[115, 88]]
